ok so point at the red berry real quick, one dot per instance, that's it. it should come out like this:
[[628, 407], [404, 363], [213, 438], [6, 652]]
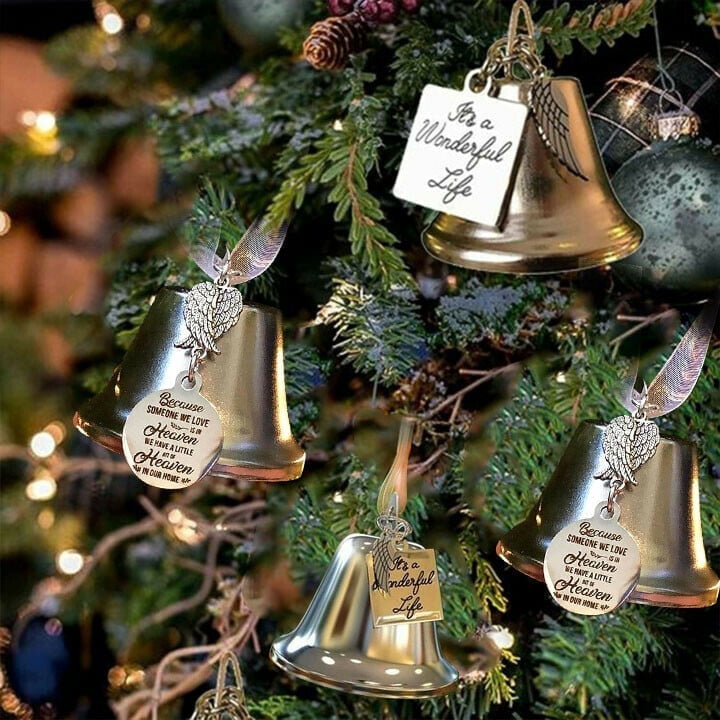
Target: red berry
[[369, 10], [410, 6], [340, 7], [378, 11], [388, 11]]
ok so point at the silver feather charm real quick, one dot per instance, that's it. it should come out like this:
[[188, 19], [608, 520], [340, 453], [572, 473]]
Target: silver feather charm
[[552, 121], [211, 309], [384, 556], [628, 443]]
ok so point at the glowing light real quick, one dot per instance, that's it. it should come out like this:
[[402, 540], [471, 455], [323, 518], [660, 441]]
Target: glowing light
[[112, 23], [184, 528], [392, 671], [110, 20], [143, 21], [41, 487], [125, 676], [175, 516], [42, 444], [338, 125], [46, 519], [338, 497], [418, 671], [355, 661], [69, 562], [560, 377], [45, 122], [5, 223], [116, 676], [57, 430], [327, 660], [28, 117], [41, 130]]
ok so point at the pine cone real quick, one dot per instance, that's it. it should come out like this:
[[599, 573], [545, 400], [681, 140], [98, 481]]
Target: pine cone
[[10, 702], [333, 40]]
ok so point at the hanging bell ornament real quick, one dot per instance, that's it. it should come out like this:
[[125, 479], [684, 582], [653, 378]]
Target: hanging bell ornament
[[370, 628], [513, 167], [225, 702], [596, 549], [230, 420]]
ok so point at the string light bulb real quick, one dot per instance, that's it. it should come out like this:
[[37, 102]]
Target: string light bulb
[[42, 131], [42, 444], [42, 487], [69, 562], [185, 528], [109, 18]]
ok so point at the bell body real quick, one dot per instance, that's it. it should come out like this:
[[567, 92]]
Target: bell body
[[336, 645], [661, 512], [556, 221], [245, 383]]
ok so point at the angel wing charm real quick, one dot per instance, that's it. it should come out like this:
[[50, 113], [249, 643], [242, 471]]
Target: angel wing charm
[[211, 309], [628, 442], [552, 121], [384, 556]]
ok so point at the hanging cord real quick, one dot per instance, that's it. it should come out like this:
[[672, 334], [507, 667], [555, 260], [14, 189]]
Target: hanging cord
[[667, 81]]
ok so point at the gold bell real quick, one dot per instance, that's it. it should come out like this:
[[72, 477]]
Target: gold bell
[[661, 512], [244, 381], [336, 644], [562, 213], [556, 221]]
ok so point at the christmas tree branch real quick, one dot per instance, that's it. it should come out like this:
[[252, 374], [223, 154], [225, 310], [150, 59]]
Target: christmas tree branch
[[593, 25], [187, 604]]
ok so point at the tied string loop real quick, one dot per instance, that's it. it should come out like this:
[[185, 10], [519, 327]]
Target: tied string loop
[[224, 699], [390, 524], [517, 48], [677, 378]]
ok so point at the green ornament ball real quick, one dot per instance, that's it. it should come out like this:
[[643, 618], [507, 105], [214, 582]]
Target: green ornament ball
[[671, 189], [255, 24]]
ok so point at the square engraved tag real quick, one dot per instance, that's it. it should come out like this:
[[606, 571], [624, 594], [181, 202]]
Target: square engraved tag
[[413, 590], [462, 153]]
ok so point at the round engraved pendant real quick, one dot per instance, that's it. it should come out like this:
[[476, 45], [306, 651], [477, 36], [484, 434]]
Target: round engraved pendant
[[592, 565], [173, 437]]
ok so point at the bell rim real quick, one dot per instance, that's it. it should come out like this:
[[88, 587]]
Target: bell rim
[[540, 265], [642, 594], [345, 685], [223, 468]]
